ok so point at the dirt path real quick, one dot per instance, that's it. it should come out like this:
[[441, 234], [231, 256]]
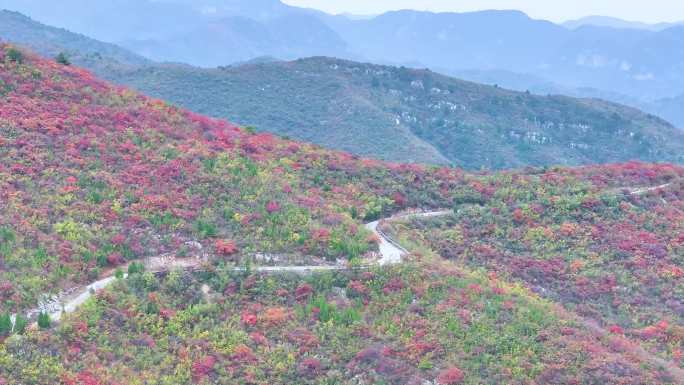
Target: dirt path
[[390, 253]]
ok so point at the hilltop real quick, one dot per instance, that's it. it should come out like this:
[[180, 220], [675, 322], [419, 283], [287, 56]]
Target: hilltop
[[401, 114], [50, 41], [95, 177]]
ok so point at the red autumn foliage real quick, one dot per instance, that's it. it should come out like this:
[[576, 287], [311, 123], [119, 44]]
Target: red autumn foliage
[[203, 367], [167, 313], [518, 216], [310, 368], [303, 292], [677, 355], [258, 338], [393, 285], [272, 207], [451, 376], [6, 289], [321, 235], [243, 355], [115, 259], [78, 116], [303, 339], [248, 319], [225, 248], [357, 288], [274, 316], [399, 199], [118, 240], [83, 378]]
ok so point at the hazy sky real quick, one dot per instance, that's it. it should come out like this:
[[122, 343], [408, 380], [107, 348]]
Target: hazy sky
[[555, 10]]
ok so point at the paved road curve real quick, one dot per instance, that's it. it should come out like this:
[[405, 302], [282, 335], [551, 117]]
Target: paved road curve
[[390, 253]]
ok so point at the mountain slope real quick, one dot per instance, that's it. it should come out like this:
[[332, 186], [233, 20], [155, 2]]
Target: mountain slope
[[94, 177], [671, 109], [413, 115], [612, 252]]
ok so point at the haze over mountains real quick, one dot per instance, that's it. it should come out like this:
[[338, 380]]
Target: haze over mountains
[[376, 111], [599, 57], [613, 22]]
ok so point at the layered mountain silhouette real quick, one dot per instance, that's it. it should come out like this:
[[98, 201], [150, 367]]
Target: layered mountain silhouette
[[387, 112], [613, 22], [596, 56]]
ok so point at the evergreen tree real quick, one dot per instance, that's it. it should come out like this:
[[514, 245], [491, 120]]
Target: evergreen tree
[[20, 324], [5, 325], [15, 55], [63, 59], [44, 320], [136, 267]]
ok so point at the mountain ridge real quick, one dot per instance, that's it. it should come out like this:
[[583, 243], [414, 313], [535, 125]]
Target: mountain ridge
[[402, 100], [613, 22]]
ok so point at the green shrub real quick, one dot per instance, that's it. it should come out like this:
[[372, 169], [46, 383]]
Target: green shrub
[[44, 320], [20, 324], [5, 325], [7, 238], [7, 235], [205, 229], [14, 55], [136, 268], [63, 58]]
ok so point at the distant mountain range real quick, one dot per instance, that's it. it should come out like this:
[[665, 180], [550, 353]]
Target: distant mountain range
[[595, 56], [612, 22], [631, 62], [387, 112], [204, 32]]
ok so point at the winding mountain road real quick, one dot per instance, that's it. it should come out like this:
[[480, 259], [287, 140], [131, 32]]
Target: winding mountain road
[[390, 253]]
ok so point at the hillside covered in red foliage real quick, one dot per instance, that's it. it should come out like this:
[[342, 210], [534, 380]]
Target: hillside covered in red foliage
[[94, 177]]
